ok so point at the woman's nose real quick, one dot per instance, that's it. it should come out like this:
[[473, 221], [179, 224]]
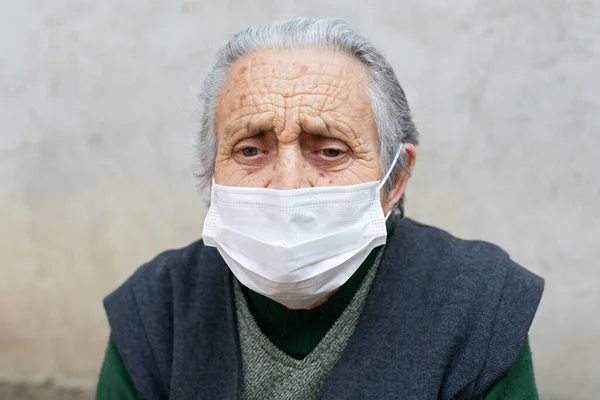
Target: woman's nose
[[290, 171]]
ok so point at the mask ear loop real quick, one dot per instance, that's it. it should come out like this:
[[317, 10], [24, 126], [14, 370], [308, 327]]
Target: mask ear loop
[[388, 173], [212, 190]]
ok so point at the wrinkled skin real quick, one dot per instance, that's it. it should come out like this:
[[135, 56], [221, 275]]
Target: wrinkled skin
[[289, 119], [297, 119]]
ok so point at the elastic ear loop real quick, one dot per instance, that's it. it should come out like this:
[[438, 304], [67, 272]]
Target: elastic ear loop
[[387, 175], [385, 178], [212, 185]]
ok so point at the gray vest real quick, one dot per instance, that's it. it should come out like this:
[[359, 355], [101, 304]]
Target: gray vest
[[445, 319]]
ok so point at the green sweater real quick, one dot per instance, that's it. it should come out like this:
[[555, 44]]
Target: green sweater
[[115, 383], [297, 333], [270, 373]]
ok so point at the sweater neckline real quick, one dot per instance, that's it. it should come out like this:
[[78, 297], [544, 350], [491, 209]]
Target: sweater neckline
[[298, 332]]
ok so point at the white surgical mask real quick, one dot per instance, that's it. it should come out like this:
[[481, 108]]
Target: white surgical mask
[[296, 246]]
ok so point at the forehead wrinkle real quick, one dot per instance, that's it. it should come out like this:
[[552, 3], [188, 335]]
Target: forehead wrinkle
[[322, 106], [269, 64], [332, 112], [258, 65], [265, 88], [254, 124], [260, 81], [259, 72], [259, 104], [337, 125], [320, 126], [274, 87], [246, 106], [247, 124]]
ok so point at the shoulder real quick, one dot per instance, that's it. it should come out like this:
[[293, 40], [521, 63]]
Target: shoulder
[[474, 287], [150, 287], [177, 269], [142, 311], [443, 245], [169, 265], [475, 266]]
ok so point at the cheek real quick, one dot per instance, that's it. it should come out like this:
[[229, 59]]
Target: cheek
[[357, 172], [236, 176], [292, 168], [231, 173]]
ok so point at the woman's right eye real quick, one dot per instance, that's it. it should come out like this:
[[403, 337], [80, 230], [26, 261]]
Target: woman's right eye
[[250, 151]]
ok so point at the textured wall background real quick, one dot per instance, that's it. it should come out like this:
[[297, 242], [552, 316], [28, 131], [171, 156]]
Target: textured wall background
[[97, 111]]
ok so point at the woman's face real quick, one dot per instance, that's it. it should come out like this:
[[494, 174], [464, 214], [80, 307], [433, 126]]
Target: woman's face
[[295, 119]]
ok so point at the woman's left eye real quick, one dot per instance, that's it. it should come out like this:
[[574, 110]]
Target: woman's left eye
[[331, 153]]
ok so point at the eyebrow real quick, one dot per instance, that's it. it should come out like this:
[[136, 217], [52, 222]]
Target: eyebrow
[[317, 127], [320, 127], [248, 126], [251, 126]]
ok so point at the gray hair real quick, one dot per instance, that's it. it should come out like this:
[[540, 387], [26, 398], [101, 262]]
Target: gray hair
[[390, 107]]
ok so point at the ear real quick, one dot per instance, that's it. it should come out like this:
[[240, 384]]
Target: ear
[[400, 179]]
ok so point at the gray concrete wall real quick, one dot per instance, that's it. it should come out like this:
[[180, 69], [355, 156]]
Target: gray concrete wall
[[97, 110]]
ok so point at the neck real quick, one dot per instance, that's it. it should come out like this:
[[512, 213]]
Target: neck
[[297, 332]]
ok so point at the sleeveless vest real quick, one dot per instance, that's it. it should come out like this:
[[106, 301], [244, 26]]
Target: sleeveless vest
[[445, 319]]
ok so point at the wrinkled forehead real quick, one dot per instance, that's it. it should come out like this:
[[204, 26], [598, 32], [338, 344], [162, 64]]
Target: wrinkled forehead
[[321, 79], [296, 63]]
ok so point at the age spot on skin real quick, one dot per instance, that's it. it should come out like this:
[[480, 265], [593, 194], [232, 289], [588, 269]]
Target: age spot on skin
[[289, 96]]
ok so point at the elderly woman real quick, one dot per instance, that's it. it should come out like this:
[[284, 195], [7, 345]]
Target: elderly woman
[[309, 282]]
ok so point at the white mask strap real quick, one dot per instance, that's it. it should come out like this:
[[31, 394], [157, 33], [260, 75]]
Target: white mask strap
[[212, 192], [385, 178], [388, 214], [394, 161]]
